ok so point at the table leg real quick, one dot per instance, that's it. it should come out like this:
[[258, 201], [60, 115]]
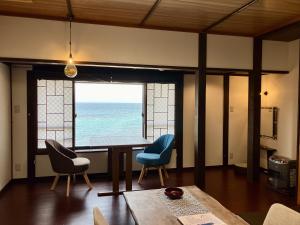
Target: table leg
[[109, 163], [129, 169], [115, 170]]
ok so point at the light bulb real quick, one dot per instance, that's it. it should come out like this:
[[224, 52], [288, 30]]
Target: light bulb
[[70, 69]]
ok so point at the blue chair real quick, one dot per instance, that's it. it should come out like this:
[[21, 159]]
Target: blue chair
[[157, 155]]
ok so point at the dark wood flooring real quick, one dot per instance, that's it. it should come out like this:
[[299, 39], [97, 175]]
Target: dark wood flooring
[[35, 204]]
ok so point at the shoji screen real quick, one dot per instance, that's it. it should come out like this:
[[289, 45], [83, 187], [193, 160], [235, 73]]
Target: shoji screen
[[54, 114], [160, 110]]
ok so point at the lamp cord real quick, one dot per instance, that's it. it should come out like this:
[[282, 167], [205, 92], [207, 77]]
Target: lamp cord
[[70, 41]]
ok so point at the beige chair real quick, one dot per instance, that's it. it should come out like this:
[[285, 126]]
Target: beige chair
[[281, 215], [98, 217], [65, 161]]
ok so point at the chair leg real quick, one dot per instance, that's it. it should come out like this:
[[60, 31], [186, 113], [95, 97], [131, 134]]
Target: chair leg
[[54, 182], [146, 172], [87, 180], [141, 175], [68, 185], [161, 177], [166, 173]]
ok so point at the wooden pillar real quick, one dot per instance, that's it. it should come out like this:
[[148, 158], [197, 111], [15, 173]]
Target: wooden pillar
[[298, 140], [254, 105], [200, 106], [225, 118], [179, 123]]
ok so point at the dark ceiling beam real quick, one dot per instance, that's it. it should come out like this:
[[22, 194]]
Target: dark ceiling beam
[[238, 10], [288, 33], [70, 10], [154, 6]]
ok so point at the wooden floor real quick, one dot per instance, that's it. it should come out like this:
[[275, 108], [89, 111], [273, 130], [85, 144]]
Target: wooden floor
[[35, 204]]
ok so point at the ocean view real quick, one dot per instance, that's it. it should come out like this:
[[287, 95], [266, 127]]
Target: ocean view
[[107, 119]]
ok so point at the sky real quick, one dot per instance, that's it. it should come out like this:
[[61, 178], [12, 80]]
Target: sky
[[108, 92]]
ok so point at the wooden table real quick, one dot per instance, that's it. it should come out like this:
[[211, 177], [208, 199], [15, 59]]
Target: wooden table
[[120, 146], [148, 209]]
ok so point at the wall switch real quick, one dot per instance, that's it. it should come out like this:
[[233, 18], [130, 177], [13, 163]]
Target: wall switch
[[17, 109], [18, 167], [231, 155], [231, 109]]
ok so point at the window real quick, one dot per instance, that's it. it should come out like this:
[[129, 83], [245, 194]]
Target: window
[[77, 114], [54, 112], [107, 109], [160, 110]]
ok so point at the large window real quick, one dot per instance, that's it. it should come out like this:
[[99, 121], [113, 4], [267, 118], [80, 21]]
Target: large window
[[78, 114], [107, 110]]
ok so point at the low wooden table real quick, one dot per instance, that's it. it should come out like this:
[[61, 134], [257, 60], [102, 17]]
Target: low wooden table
[[148, 209], [117, 146]]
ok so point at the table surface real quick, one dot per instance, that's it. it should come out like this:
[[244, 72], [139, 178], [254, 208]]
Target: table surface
[[148, 209], [119, 141]]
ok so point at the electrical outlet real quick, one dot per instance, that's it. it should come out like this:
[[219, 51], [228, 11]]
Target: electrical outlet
[[231, 109], [231, 155], [18, 167]]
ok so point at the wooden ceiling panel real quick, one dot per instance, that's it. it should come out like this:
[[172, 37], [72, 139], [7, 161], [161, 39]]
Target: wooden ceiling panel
[[191, 14], [54, 9], [130, 12], [261, 17]]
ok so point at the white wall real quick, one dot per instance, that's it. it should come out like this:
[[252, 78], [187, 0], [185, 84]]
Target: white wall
[[283, 93], [214, 121], [111, 44], [225, 51], [5, 126], [19, 117], [45, 39], [275, 55], [188, 121], [238, 119]]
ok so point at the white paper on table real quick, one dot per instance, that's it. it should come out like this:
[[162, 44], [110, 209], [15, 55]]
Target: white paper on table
[[200, 219]]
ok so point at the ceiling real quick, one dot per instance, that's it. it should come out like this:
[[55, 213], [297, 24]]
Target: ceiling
[[236, 17]]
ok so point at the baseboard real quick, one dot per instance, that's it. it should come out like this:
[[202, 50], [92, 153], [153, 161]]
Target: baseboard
[[95, 176], [5, 188]]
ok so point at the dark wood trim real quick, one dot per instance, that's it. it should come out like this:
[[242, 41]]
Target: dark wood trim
[[73, 117], [254, 105], [200, 107], [145, 110], [11, 123], [97, 64], [267, 72], [225, 119], [31, 124], [298, 142], [236, 11], [70, 10], [288, 32], [5, 188], [154, 6], [105, 74], [179, 123], [185, 70]]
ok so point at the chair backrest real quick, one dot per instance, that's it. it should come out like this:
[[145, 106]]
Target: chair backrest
[[281, 215], [98, 217], [164, 146], [60, 162]]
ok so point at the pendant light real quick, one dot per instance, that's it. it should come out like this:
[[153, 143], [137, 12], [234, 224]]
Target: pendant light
[[70, 69]]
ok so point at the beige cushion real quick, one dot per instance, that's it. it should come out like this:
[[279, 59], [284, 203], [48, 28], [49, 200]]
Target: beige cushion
[[80, 161], [98, 217], [281, 215]]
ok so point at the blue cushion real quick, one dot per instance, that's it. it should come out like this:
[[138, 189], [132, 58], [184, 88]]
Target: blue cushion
[[149, 159]]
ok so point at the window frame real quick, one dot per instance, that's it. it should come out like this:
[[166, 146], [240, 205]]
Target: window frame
[[137, 75]]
